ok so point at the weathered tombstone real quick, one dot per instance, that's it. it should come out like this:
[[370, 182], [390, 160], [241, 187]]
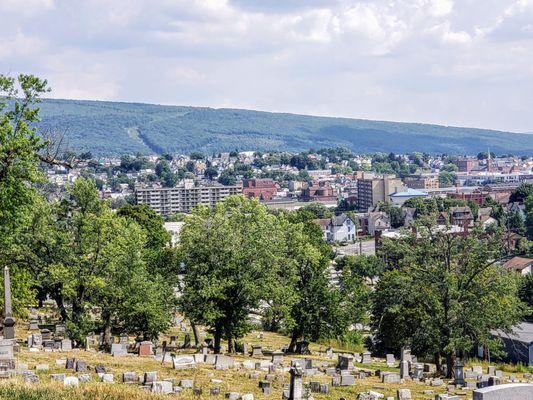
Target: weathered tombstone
[[329, 352], [277, 357], [162, 387], [390, 377], [345, 362], [459, 373], [34, 325], [70, 363], [71, 381], [60, 330], [81, 366], [184, 362], [367, 358], [406, 354], [100, 369], [324, 388], [84, 377], [391, 361], [224, 362], [36, 340], [107, 378], [129, 377], [347, 380], [9, 321], [403, 394], [491, 370], [149, 377], [296, 384], [7, 358], [187, 383], [404, 369], [119, 350], [494, 380], [66, 345], [257, 351], [145, 349], [46, 334], [123, 338], [511, 391], [417, 371]]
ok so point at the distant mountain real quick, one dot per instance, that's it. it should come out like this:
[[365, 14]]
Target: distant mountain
[[112, 128]]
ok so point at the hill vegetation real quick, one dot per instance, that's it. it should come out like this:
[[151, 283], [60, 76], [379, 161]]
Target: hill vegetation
[[112, 128]]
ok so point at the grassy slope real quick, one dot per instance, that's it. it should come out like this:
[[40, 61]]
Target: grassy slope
[[109, 128], [232, 380]]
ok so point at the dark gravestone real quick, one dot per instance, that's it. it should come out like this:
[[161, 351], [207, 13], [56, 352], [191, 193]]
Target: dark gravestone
[[81, 366], [187, 341], [100, 369], [302, 348], [71, 363], [46, 334]]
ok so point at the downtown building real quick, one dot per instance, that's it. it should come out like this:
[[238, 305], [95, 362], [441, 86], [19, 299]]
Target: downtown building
[[183, 198], [373, 188]]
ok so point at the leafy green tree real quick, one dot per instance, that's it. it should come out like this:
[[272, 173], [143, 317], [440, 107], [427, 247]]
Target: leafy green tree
[[520, 194], [447, 178], [211, 172], [529, 216], [230, 253], [318, 210], [227, 178], [445, 296], [362, 266], [20, 148]]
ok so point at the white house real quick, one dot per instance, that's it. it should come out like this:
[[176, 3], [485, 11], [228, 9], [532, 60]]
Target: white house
[[339, 228]]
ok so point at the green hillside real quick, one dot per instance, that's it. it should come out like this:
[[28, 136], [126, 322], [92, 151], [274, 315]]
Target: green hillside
[[111, 128]]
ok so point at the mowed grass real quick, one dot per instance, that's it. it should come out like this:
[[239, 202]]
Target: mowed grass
[[233, 380]]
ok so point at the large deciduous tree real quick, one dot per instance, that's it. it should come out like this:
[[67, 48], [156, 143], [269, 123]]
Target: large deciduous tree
[[445, 296]]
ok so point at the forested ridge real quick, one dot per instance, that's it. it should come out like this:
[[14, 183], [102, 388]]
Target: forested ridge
[[113, 128]]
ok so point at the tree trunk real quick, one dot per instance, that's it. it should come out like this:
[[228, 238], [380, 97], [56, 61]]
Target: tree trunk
[[294, 340], [231, 345], [450, 364], [436, 358], [107, 330], [218, 337], [58, 298], [195, 333]]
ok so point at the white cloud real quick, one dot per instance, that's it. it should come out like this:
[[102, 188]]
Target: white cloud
[[419, 60]]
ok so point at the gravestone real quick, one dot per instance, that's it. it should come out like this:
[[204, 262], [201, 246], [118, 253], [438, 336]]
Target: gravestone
[[60, 330], [70, 363], [403, 394], [129, 377], [257, 351], [123, 339], [404, 369], [149, 377], [162, 387], [34, 325], [347, 380], [84, 377], [187, 383], [81, 366], [367, 358], [187, 341], [296, 389], [511, 391], [7, 358], [145, 349], [391, 361], [100, 369], [406, 354], [417, 371], [224, 362], [184, 362], [277, 357], [119, 350], [107, 378], [329, 352], [71, 381], [36, 340], [9, 321], [66, 345], [459, 373], [390, 377], [214, 391], [345, 362], [46, 334]]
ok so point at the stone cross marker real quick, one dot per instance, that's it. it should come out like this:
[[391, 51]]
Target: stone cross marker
[[296, 385], [9, 321]]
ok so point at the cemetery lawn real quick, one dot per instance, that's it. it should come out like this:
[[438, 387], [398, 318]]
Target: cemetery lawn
[[232, 380]]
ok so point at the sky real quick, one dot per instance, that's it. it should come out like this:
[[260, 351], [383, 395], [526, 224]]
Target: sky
[[450, 62]]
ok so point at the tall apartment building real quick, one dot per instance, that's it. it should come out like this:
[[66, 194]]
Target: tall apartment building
[[182, 199], [371, 189], [422, 182]]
